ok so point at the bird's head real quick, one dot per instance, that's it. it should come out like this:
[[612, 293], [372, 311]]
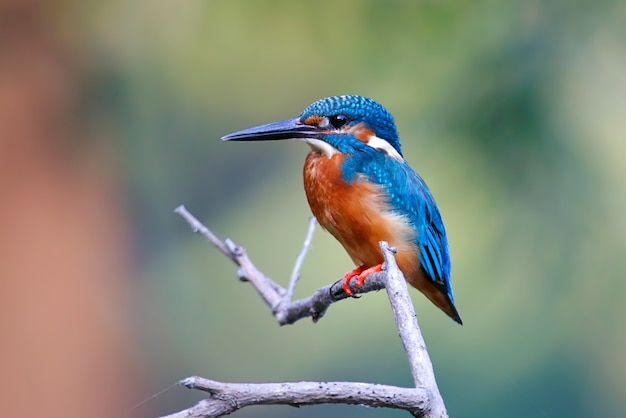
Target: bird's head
[[338, 124]]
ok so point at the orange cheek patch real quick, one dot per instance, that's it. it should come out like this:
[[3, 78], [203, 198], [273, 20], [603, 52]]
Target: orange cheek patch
[[313, 120], [361, 132]]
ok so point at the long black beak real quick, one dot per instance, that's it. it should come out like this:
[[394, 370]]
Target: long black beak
[[285, 129]]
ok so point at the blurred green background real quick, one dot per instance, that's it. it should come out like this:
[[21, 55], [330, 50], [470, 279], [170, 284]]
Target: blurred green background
[[513, 112]]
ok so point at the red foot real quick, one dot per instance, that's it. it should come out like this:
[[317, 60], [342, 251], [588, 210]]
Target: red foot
[[361, 273], [361, 278], [345, 282]]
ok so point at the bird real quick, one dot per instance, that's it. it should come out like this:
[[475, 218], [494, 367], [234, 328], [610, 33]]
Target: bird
[[361, 190]]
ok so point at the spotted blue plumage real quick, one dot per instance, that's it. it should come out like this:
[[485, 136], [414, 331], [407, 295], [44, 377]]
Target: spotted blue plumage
[[358, 109]]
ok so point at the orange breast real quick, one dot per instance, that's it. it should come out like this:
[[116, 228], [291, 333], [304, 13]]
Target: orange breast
[[357, 215]]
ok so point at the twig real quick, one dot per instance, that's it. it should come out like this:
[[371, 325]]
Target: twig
[[199, 228], [423, 401], [269, 291], [295, 274]]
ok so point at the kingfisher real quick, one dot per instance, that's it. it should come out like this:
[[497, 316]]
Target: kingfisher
[[362, 191]]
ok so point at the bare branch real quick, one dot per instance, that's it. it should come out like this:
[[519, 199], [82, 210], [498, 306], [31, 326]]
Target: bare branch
[[409, 331], [423, 401], [226, 398]]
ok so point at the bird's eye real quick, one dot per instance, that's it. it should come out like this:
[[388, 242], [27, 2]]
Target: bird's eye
[[338, 120]]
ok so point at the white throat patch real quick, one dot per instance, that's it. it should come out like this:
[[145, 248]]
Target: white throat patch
[[380, 144], [320, 146]]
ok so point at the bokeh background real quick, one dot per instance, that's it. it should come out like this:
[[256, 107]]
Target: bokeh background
[[110, 117]]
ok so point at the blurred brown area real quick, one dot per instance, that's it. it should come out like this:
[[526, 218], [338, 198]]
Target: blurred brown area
[[64, 347]]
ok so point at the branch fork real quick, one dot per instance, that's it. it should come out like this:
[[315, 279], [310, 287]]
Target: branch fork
[[424, 400]]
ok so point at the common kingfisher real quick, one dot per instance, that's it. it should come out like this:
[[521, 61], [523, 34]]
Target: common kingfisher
[[362, 191]]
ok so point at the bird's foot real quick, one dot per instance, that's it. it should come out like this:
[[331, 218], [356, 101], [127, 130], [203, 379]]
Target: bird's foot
[[345, 282], [361, 274], [361, 277]]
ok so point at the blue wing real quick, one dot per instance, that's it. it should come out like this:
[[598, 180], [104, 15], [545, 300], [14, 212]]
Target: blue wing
[[409, 196]]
